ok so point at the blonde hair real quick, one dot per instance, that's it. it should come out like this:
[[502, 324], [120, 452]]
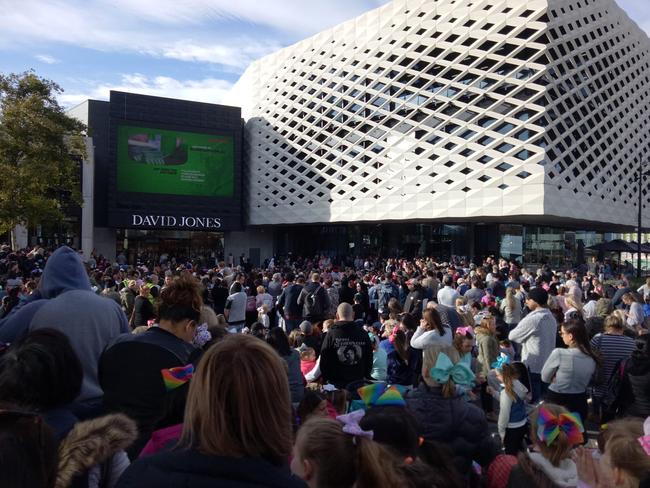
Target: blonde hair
[[223, 415], [510, 298], [571, 302], [623, 449], [260, 290], [614, 322], [343, 460], [429, 359], [561, 447]]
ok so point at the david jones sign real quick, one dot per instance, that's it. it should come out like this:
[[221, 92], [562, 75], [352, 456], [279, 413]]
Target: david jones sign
[[171, 221]]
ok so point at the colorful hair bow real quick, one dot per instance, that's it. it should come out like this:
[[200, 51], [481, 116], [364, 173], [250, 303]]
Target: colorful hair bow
[[465, 330], [501, 361], [381, 394], [175, 377], [445, 369], [351, 426], [644, 440], [549, 426]]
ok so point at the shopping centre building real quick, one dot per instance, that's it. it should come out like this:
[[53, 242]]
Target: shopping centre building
[[441, 127]]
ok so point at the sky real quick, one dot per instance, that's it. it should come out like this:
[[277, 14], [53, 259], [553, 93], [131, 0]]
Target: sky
[[190, 49]]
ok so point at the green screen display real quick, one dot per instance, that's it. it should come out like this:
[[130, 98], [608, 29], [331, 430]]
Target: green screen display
[[174, 162]]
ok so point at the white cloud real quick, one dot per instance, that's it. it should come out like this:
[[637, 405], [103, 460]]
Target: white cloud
[[46, 58], [209, 90], [188, 30]]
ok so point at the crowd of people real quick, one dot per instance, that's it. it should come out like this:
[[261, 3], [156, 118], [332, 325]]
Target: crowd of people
[[313, 372]]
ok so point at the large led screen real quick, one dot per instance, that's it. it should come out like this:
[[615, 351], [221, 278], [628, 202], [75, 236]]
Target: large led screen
[[174, 162]]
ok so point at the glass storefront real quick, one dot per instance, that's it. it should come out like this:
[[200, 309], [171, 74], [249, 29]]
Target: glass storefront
[[145, 244]]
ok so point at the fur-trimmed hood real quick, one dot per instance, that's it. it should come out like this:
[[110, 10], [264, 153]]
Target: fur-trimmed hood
[[93, 442]]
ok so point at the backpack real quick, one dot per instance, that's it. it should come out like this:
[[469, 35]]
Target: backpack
[[313, 306], [614, 385]]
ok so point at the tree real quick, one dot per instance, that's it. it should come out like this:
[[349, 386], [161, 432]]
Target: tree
[[40, 152]]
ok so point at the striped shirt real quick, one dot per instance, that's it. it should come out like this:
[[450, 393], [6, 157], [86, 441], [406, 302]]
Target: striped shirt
[[611, 348]]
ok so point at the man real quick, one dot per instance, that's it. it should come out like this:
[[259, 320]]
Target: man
[[346, 353], [447, 295], [288, 304], [314, 300], [536, 333], [413, 303], [475, 293], [235, 308], [621, 289]]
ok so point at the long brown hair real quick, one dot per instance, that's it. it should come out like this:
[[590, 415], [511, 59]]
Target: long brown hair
[[223, 415], [433, 320], [577, 329], [509, 374], [343, 460], [401, 345]]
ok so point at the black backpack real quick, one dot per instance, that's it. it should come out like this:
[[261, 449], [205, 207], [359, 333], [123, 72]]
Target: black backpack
[[614, 385], [313, 306]]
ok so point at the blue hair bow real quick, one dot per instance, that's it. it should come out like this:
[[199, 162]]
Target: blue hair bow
[[501, 360], [445, 369]]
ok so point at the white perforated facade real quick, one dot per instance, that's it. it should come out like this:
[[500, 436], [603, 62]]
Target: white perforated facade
[[452, 110]]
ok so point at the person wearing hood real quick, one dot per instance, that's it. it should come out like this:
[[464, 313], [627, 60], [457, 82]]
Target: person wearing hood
[[89, 321], [550, 465], [346, 353], [536, 333]]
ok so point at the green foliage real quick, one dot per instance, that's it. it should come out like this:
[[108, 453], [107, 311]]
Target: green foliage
[[40, 150]]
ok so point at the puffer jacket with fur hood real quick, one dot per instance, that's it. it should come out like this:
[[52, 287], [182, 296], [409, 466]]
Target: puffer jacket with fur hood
[[92, 454]]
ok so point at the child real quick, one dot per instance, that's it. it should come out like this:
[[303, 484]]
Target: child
[[379, 359], [339, 453], [512, 422], [505, 347], [307, 359], [488, 300], [554, 432], [263, 316]]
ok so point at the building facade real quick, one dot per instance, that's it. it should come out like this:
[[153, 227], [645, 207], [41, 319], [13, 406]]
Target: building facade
[[468, 126]]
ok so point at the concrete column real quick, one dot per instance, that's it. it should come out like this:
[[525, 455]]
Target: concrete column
[[88, 196]]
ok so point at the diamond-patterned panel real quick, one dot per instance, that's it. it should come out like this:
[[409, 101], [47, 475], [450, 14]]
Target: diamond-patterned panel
[[448, 108]]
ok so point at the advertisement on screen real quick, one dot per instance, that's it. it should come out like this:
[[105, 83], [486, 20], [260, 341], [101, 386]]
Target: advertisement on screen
[[174, 162]]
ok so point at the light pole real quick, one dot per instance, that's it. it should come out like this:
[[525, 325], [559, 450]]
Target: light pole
[[639, 222]]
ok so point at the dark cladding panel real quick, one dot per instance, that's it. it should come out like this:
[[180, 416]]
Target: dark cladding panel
[[138, 202]]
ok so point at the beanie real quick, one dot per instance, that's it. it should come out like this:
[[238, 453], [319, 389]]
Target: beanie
[[306, 327]]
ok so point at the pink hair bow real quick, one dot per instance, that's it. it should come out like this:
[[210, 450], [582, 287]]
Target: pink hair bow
[[351, 425], [465, 330], [645, 439]]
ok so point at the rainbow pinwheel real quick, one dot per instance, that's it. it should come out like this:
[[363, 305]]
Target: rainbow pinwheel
[[549, 427], [381, 394], [444, 369], [175, 377], [501, 360]]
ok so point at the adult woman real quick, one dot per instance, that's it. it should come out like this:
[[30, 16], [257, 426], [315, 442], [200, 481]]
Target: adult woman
[[228, 440], [644, 290], [278, 340], [511, 308], [442, 412], [573, 308], [169, 345], [611, 346], [570, 370], [431, 331], [635, 314]]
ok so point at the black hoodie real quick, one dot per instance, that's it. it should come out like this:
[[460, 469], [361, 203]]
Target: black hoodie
[[346, 354]]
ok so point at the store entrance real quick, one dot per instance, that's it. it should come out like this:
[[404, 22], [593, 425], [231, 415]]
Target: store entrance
[[147, 246]]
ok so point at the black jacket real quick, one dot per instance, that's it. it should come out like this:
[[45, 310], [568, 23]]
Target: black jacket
[[413, 303], [635, 390], [321, 302], [192, 469], [346, 354], [288, 300], [454, 422]]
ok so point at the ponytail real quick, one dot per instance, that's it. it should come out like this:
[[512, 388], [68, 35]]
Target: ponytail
[[374, 466], [509, 375]]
